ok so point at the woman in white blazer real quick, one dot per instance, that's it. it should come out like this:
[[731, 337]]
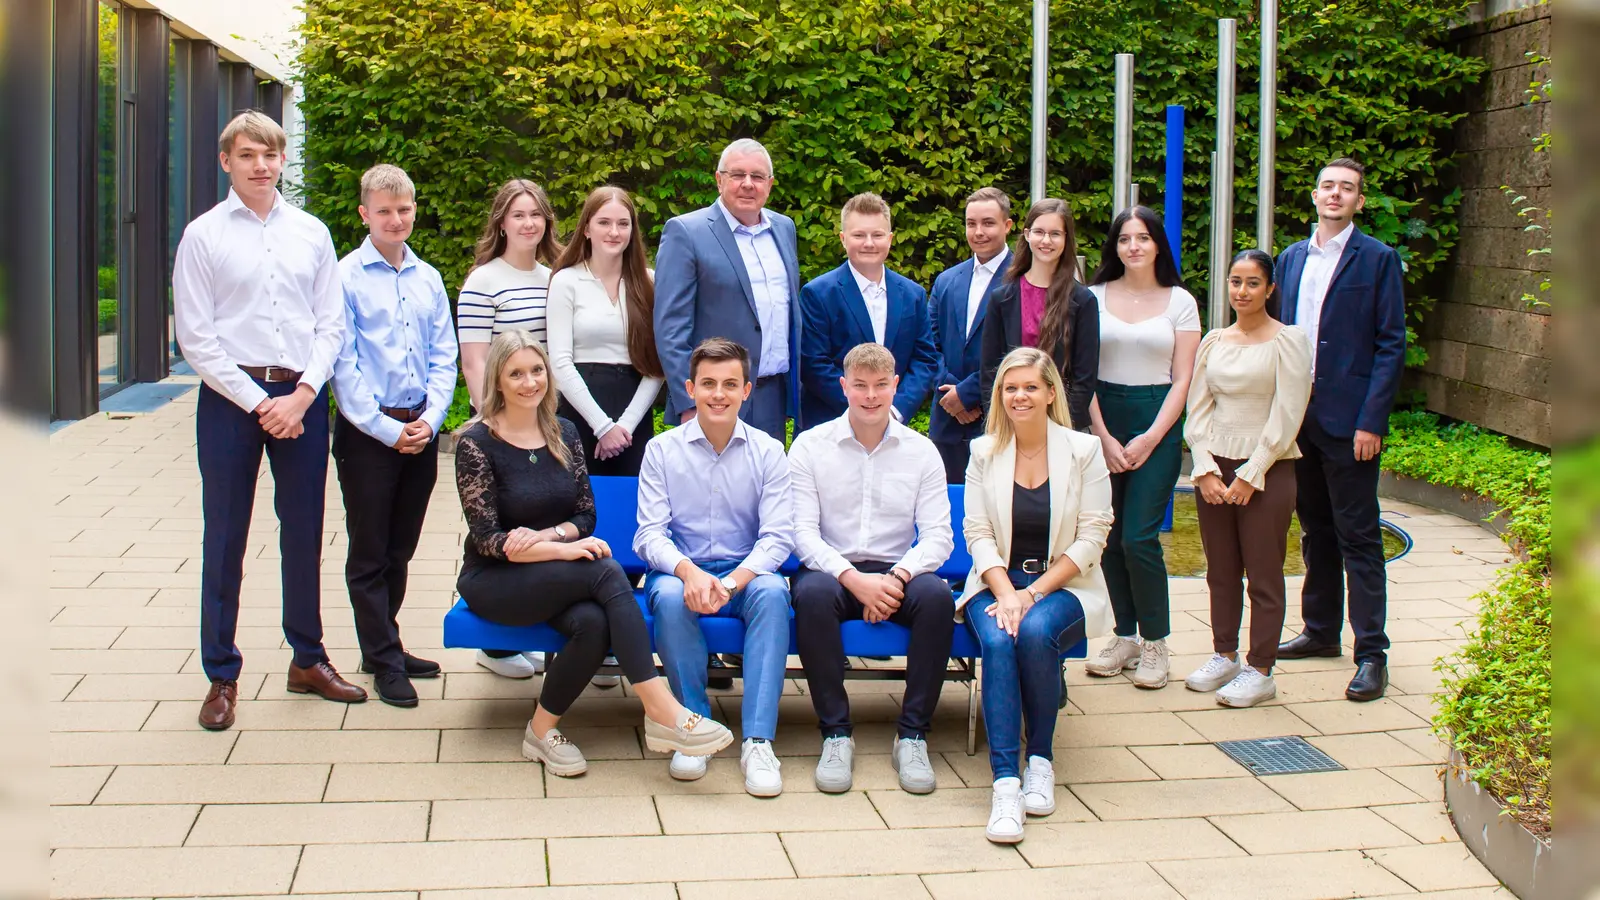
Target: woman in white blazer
[[1038, 512]]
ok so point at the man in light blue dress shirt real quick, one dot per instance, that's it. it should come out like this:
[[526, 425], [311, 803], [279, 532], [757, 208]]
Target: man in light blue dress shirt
[[715, 518], [393, 381], [732, 270]]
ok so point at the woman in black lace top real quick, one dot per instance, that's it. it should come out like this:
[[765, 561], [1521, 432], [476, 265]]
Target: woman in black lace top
[[531, 557]]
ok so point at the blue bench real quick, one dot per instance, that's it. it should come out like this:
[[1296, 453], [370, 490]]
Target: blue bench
[[616, 501]]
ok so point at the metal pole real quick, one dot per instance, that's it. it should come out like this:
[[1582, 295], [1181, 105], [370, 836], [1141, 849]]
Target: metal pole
[[1133, 194], [1122, 141], [1267, 180], [1172, 203], [1041, 83], [1222, 174]]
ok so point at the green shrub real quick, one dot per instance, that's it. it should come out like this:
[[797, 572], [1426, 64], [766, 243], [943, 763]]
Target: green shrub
[[107, 315]]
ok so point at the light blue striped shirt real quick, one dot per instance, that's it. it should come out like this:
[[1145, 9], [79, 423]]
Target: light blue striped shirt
[[399, 343], [769, 283]]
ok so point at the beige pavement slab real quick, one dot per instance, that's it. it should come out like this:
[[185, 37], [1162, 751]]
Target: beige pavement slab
[[879, 887], [1425, 781], [335, 747], [1428, 823], [1310, 832], [1125, 730], [124, 686], [309, 714], [309, 823], [215, 784], [1290, 876], [120, 826], [1047, 843], [460, 820], [110, 715], [921, 850], [435, 781], [661, 891], [1344, 717], [851, 811], [1189, 761], [71, 785], [1242, 724], [1436, 867], [953, 807], [187, 871], [141, 748], [420, 866], [1340, 790], [620, 860], [1124, 881], [1367, 751], [89, 662], [1177, 799]]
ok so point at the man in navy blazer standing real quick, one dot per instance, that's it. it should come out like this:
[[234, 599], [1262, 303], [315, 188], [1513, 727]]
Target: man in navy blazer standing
[[1345, 290], [732, 270], [960, 299], [863, 302]]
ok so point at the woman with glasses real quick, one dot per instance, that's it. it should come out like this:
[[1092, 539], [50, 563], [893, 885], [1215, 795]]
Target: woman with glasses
[[1041, 303]]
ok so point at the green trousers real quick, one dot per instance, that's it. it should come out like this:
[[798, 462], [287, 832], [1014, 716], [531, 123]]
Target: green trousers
[[1136, 570]]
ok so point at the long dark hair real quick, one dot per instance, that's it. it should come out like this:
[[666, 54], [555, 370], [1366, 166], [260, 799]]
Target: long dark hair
[[1263, 261], [492, 243], [1054, 328], [1111, 265], [635, 275]]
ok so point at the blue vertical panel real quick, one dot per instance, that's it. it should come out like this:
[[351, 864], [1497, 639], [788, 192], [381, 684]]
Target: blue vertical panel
[[1172, 213]]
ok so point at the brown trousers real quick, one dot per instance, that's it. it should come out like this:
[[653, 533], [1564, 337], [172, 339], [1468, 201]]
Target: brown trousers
[[1253, 538]]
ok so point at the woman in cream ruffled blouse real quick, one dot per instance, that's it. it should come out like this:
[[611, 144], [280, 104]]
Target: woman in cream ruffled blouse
[[1251, 384]]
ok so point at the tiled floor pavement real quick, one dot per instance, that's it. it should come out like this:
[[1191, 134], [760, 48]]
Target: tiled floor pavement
[[310, 797]]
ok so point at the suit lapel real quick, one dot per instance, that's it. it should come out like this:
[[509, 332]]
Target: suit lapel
[[1289, 280], [724, 235], [956, 309], [854, 302], [1352, 249], [1059, 451], [902, 311], [1002, 481]]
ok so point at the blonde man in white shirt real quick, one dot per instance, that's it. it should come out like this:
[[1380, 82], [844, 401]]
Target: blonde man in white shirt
[[872, 524], [260, 315]]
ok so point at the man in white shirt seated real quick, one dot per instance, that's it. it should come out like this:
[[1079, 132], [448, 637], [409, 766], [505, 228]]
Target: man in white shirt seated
[[872, 524]]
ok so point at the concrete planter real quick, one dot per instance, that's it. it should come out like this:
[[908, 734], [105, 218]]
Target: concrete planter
[[447, 442], [1522, 862], [1454, 501]]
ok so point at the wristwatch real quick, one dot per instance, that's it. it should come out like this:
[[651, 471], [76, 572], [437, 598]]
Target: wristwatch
[[561, 533], [729, 584]]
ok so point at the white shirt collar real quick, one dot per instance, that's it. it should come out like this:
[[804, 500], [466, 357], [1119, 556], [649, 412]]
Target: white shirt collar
[[692, 432], [862, 281], [734, 224], [371, 255], [994, 263], [841, 431], [236, 203], [1335, 244]]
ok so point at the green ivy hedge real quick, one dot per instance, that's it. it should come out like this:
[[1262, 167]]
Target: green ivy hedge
[[920, 100]]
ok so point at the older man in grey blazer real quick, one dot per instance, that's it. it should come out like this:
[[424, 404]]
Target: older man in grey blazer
[[732, 270]]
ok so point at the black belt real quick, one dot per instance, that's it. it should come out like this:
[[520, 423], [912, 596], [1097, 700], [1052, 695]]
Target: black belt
[[271, 374], [404, 414], [1034, 566], [764, 379]]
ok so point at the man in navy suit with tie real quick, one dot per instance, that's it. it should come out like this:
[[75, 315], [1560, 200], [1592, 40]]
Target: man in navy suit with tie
[[1345, 290], [732, 270], [960, 298], [863, 302]]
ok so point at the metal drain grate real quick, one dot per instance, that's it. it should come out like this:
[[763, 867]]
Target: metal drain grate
[[1279, 756]]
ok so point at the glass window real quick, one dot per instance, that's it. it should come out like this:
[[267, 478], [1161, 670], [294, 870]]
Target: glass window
[[178, 93], [113, 276]]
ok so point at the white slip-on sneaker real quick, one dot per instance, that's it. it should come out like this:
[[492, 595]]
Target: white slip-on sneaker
[[1153, 665], [687, 768], [537, 658], [835, 770], [559, 755], [910, 759], [1247, 689], [1005, 812], [760, 766], [607, 681], [514, 666], [1121, 653], [1039, 787], [695, 735], [1218, 671]]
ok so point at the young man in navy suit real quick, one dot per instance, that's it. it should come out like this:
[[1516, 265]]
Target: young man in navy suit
[[863, 302], [1345, 290], [960, 298]]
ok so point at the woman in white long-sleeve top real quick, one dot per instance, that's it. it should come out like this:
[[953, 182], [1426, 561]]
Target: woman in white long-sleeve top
[[1251, 384], [601, 320], [1038, 501]]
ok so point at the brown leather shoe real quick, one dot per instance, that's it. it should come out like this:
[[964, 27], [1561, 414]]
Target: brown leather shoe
[[217, 712], [322, 680]]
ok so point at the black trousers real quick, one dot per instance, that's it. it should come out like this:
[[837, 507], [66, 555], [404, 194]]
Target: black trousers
[[590, 601], [955, 455], [1337, 499], [613, 387], [821, 603], [385, 500], [230, 441]]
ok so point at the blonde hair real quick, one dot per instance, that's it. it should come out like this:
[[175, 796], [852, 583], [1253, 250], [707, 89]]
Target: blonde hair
[[505, 345], [868, 204], [388, 179], [255, 125], [492, 243], [869, 356], [998, 424]]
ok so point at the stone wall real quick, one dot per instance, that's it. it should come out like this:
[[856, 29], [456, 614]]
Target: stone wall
[[1488, 358]]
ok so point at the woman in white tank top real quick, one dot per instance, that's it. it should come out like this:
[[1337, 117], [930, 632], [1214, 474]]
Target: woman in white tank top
[[1149, 331]]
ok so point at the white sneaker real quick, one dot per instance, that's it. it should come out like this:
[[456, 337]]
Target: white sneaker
[[607, 681], [1247, 689], [1005, 812], [1121, 653], [1218, 671], [514, 666], [910, 759], [1039, 787], [1153, 665], [687, 768], [835, 770], [537, 658], [760, 766]]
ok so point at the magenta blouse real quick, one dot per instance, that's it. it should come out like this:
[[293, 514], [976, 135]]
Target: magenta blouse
[[1033, 298]]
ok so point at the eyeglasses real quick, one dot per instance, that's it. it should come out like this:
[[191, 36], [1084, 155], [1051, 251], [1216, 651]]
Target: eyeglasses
[[1053, 236], [756, 178]]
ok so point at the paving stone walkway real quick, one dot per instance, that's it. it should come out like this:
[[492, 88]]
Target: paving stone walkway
[[309, 797]]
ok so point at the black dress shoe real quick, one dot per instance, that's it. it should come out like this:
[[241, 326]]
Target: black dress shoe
[[1371, 678], [1304, 646], [395, 689], [718, 682], [416, 667]]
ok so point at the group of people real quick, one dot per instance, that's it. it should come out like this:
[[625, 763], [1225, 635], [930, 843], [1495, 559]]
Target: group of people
[[1057, 404]]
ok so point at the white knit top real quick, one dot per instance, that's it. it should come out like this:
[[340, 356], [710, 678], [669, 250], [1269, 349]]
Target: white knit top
[[1246, 402]]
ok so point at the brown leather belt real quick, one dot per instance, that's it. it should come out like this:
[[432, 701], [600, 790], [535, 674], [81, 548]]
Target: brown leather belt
[[271, 374], [403, 413]]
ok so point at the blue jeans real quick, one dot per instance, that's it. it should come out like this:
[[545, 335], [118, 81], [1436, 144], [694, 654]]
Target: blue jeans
[[1022, 675], [763, 606]]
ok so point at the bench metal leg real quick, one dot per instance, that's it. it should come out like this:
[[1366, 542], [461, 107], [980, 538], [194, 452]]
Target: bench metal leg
[[972, 710]]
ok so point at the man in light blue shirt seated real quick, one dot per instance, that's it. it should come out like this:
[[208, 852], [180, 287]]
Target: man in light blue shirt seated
[[393, 381], [715, 526]]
